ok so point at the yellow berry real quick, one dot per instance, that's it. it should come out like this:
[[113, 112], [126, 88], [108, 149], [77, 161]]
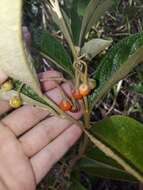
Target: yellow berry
[[7, 86], [15, 102]]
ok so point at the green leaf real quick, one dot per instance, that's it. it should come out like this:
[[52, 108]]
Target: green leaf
[[96, 163], [117, 63], [67, 21], [138, 88], [94, 47], [55, 51], [75, 22], [82, 4], [99, 169], [95, 154], [14, 59], [94, 11], [76, 185], [56, 13], [120, 138]]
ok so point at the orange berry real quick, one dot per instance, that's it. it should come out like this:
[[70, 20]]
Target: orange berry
[[76, 94], [65, 105], [84, 89]]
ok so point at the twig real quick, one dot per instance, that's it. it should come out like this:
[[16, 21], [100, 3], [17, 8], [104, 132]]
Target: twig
[[82, 150]]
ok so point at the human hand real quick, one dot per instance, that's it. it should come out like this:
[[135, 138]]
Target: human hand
[[31, 142]]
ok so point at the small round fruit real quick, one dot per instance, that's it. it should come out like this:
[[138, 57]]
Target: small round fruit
[[7, 86], [84, 89], [15, 102], [76, 94], [92, 84], [65, 105]]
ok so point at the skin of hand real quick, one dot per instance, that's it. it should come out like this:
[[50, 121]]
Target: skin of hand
[[31, 141]]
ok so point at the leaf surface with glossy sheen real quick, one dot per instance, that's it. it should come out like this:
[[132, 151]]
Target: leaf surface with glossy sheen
[[120, 138]]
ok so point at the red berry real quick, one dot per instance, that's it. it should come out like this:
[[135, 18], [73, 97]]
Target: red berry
[[76, 94], [65, 105], [84, 89]]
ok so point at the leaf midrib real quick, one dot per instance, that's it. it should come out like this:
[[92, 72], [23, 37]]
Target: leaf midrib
[[112, 154], [121, 73]]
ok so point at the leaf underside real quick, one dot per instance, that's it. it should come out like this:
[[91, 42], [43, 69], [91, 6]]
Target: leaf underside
[[60, 20], [94, 47], [15, 61]]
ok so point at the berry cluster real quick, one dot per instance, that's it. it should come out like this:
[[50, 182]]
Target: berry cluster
[[78, 94], [83, 87]]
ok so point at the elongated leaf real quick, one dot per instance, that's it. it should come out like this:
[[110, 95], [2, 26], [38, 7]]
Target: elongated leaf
[[96, 154], [120, 138], [82, 5], [94, 11], [75, 22], [50, 46], [118, 62], [76, 185], [14, 60], [67, 21], [57, 16], [103, 166], [94, 47]]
